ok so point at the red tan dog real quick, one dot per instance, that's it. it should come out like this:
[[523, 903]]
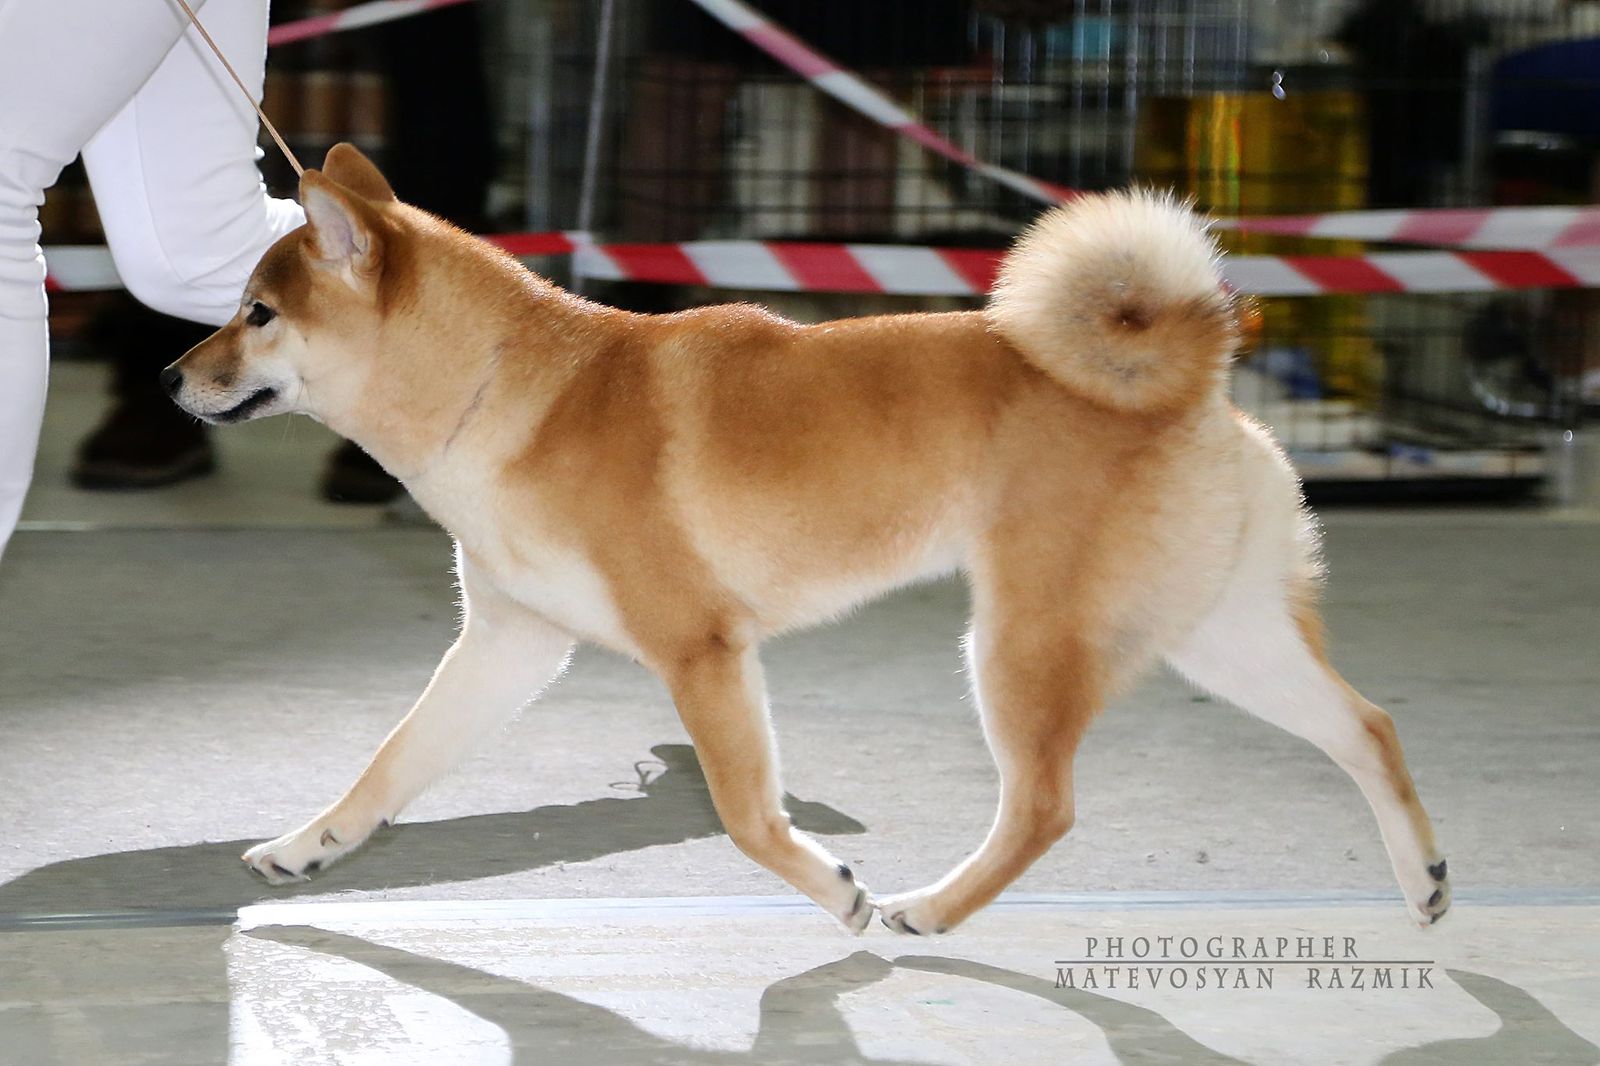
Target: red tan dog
[[680, 487]]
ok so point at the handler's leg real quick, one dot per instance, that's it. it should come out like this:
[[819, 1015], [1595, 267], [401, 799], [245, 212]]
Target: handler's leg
[[175, 178], [66, 68]]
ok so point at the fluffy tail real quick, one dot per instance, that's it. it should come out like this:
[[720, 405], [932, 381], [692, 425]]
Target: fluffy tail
[[1118, 297]]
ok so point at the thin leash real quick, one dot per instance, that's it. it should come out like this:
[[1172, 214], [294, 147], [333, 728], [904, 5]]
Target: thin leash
[[265, 121]]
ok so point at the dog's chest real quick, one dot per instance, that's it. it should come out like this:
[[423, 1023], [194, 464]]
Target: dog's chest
[[561, 585], [532, 565]]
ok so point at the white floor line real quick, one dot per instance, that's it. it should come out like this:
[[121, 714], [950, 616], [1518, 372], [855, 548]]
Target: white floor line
[[391, 912]]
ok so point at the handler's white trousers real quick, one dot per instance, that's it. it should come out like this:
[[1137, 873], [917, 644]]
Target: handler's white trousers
[[170, 146]]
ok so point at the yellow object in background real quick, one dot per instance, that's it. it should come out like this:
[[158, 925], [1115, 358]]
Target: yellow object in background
[[1255, 154]]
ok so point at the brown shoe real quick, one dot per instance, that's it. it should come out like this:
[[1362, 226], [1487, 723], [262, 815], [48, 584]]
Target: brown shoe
[[353, 476]]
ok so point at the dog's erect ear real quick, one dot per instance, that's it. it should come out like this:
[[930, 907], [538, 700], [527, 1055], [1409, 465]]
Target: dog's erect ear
[[344, 229], [346, 165]]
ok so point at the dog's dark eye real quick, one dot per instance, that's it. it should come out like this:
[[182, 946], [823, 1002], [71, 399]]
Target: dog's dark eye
[[260, 314]]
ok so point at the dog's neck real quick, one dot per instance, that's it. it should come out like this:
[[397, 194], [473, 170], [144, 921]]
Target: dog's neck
[[480, 333]]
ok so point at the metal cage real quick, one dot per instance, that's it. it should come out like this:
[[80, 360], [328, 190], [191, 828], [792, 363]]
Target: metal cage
[[1248, 107]]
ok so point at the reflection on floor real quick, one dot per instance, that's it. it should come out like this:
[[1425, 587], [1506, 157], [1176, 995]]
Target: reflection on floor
[[763, 981]]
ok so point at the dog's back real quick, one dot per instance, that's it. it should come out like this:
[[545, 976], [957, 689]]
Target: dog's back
[[794, 470]]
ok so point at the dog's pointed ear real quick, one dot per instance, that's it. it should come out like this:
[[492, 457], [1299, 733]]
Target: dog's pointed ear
[[346, 165], [344, 229]]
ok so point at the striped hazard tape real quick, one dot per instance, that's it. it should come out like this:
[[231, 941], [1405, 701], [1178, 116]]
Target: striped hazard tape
[[1452, 227], [925, 271], [353, 18], [780, 266]]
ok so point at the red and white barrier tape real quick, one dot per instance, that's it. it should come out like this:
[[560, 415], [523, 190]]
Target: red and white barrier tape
[[1450, 227], [353, 18], [1415, 272], [920, 271], [963, 272]]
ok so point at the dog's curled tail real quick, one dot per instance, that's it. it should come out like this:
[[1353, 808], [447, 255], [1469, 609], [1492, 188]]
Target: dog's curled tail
[[1118, 297]]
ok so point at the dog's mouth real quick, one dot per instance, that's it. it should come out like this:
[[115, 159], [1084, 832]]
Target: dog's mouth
[[246, 407]]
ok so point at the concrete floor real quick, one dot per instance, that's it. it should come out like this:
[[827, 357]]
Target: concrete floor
[[182, 674], [762, 981]]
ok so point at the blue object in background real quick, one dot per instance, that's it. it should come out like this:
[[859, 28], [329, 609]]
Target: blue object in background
[[1554, 88], [1086, 37], [1293, 368]]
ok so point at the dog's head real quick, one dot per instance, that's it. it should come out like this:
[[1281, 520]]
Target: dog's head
[[307, 326]]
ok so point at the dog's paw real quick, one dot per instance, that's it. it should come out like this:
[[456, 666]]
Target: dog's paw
[[856, 909], [1426, 909], [296, 856], [911, 913]]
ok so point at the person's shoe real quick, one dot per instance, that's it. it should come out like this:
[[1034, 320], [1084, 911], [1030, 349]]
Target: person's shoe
[[143, 442], [353, 476]]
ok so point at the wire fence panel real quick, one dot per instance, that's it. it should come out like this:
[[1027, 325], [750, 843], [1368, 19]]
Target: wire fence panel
[[1250, 107]]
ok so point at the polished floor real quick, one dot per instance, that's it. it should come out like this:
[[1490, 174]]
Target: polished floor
[[186, 672], [762, 980]]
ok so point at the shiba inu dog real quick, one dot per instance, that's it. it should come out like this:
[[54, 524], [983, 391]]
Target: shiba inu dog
[[679, 487]]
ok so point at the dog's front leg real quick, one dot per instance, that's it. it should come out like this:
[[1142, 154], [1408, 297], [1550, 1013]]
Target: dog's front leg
[[502, 658]]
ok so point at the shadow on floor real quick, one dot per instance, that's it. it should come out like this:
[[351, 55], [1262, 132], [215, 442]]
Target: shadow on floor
[[801, 1021], [1528, 1032], [1136, 1034], [673, 806], [94, 998]]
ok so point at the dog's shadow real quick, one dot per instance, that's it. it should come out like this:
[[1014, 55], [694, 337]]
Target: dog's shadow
[[1528, 1033], [672, 805], [801, 1020]]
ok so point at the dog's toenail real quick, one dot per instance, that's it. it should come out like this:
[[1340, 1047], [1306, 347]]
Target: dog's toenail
[[907, 927], [328, 838], [313, 866], [1439, 872], [281, 871], [1433, 900]]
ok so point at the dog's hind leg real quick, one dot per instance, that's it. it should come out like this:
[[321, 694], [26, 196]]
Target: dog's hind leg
[[1261, 648], [721, 697], [501, 660], [1038, 684]]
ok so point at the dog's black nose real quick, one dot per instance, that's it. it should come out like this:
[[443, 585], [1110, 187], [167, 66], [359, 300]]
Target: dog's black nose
[[172, 380]]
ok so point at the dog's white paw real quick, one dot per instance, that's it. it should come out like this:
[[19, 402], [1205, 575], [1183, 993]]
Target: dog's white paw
[[296, 856], [853, 908], [912, 913]]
